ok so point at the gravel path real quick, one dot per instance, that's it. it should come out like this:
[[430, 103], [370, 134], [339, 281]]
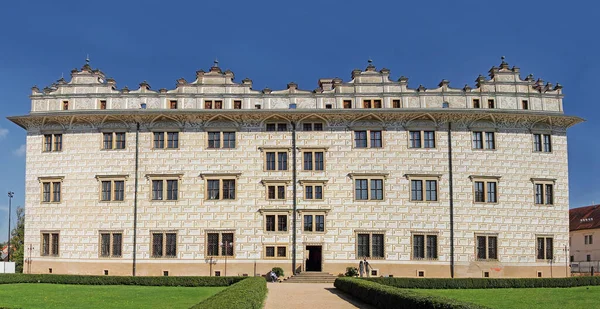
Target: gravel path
[[309, 295]]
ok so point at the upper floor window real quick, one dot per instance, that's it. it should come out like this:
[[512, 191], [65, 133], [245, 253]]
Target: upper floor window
[[313, 160], [276, 160], [476, 103], [220, 188], [524, 104], [113, 140], [312, 126], [221, 140], [484, 140], [370, 245], [51, 190], [313, 189], [428, 186], [112, 189], [111, 244], [50, 244], [219, 244], [208, 104], [165, 188], [425, 247], [347, 103], [542, 142], [368, 139], [276, 191], [545, 248], [371, 103], [65, 105], [544, 193], [52, 142], [314, 223], [276, 223], [237, 104], [491, 103], [396, 103], [172, 104], [588, 240], [368, 188], [171, 143], [485, 190], [102, 104], [272, 127], [422, 139], [164, 244], [487, 247]]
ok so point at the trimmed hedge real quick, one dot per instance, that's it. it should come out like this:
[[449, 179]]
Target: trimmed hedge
[[387, 297], [120, 280], [249, 293], [485, 283]]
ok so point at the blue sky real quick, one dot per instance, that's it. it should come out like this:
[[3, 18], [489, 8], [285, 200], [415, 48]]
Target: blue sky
[[276, 42]]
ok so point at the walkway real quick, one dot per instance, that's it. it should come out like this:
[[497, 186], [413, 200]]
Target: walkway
[[309, 295]]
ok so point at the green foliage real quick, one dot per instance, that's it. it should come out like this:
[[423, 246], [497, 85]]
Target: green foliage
[[486, 283], [387, 297], [17, 241], [246, 294], [278, 271], [120, 280], [351, 272]]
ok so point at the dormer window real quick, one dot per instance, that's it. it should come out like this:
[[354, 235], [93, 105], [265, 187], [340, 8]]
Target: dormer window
[[491, 103], [102, 104], [347, 103], [476, 103], [65, 105]]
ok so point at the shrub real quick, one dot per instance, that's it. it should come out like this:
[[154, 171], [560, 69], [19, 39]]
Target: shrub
[[278, 271], [249, 293], [351, 272], [486, 283], [120, 280], [387, 297]]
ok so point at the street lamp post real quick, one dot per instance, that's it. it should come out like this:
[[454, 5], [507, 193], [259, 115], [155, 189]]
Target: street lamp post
[[226, 245], [10, 196]]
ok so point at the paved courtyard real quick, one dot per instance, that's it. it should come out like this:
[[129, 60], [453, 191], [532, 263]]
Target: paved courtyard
[[309, 295]]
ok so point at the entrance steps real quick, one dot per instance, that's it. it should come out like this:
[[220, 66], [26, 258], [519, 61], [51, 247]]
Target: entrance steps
[[312, 277]]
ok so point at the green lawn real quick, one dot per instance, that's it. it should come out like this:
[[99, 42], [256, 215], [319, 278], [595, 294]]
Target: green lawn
[[41, 295], [542, 298]]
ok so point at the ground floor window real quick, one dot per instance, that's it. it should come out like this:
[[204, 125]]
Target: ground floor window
[[370, 245]]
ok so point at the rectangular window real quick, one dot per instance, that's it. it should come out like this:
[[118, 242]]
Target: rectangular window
[[270, 251], [164, 244], [237, 104], [173, 104], [478, 140], [368, 138], [276, 223], [113, 140], [159, 140], [111, 244], [276, 160], [65, 105], [165, 189], [102, 104], [208, 104], [376, 103], [172, 140], [312, 126], [370, 245], [487, 247], [313, 191], [112, 190], [51, 191], [425, 247], [314, 160], [218, 104], [50, 244], [542, 143], [221, 140], [544, 193], [396, 103], [347, 103], [415, 138], [368, 189], [366, 103], [485, 191], [280, 127], [416, 189], [476, 103], [52, 142], [220, 244], [314, 223], [220, 189], [545, 248], [524, 104], [276, 192], [491, 103]]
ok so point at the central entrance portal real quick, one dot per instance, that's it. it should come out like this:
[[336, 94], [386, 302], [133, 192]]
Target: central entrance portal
[[314, 258]]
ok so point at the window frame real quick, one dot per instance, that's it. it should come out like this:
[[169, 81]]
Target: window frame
[[221, 139], [220, 245], [370, 245], [312, 125], [113, 188], [220, 178], [487, 247], [485, 180], [369, 178], [164, 178], [313, 151], [313, 221], [56, 142], [53, 248], [544, 147], [369, 139], [485, 142], [424, 178], [164, 234], [165, 139], [111, 242], [52, 181], [277, 125], [544, 183], [277, 215], [276, 152], [476, 103], [422, 140], [114, 142], [173, 104], [544, 248], [426, 250], [276, 255]]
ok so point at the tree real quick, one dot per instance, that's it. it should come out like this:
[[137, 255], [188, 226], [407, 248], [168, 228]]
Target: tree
[[17, 241]]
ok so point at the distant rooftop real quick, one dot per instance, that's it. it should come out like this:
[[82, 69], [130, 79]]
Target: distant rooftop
[[584, 218]]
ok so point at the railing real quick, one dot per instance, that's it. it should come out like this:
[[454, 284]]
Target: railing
[[585, 267]]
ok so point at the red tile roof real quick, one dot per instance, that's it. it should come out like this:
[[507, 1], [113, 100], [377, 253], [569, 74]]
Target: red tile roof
[[584, 218]]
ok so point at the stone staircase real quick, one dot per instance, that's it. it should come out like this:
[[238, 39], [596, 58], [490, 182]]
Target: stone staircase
[[311, 277]]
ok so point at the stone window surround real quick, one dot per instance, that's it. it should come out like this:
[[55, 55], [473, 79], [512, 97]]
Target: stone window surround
[[276, 213], [276, 150], [313, 150], [484, 144], [114, 139], [164, 243], [112, 179], [51, 180], [545, 237], [165, 132], [276, 247], [541, 132], [544, 182], [110, 254], [313, 182], [368, 130], [220, 240], [368, 177], [487, 248], [164, 178], [220, 177], [370, 232], [221, 131], [485, 180], [425, 234], [276, 182], [423, 177], [53, 135], [50, 243]]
